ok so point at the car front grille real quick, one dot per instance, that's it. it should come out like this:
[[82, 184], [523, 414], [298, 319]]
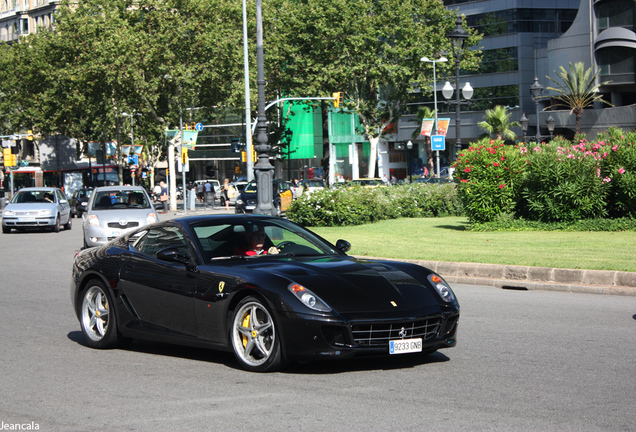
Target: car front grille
[[117, 225], [379, 334]]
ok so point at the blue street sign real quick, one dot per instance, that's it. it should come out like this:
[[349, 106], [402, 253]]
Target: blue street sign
[[133, 160], [198, 127], [438, 143]]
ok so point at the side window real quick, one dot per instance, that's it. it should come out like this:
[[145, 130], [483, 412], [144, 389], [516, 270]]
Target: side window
[[161, 238]]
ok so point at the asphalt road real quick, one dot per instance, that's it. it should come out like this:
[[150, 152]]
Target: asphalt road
[[525, 360]]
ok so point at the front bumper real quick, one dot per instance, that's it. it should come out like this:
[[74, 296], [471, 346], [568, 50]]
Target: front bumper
[[310, 336], [98, 235], [28, 222]]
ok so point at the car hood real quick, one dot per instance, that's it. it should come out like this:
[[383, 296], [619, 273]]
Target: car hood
[[31, 206], [358, 286], [117, 214]]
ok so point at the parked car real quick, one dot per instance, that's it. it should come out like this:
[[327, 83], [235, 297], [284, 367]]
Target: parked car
[[247, 200], [433, 180], [113, 211], [181, 281], [311, 186], [366, 182], [79, 201], [44, 207]]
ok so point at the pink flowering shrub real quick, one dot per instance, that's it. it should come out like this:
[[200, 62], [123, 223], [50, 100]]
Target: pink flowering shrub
[[556, 182], [489, 175], [620, 168]]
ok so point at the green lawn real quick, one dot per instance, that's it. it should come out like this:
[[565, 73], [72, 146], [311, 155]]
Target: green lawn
[[445, 239]]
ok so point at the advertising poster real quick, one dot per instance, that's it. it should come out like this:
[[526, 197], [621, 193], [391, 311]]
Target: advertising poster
[[427, 127], [442, 126]]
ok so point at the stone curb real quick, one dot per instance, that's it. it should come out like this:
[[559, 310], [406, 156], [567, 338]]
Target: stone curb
[[532, 278]]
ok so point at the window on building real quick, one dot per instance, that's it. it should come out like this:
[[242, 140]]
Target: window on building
[[615, 13], [499, 60], [616, 64]]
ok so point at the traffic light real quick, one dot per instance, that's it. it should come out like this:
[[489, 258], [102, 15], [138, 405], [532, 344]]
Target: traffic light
[[235, 145], [338, 99], [10, 159], [30, 135], [243, 156], [254, 156], [184, 155]]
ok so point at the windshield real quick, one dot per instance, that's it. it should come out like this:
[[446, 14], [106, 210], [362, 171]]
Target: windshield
[[224, 238], [33, 196], [114, 200]]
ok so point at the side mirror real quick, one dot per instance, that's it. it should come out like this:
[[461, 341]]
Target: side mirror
[[343, 246], [172, 254]]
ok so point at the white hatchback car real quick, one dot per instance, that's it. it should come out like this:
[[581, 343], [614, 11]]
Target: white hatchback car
[[113, 211]]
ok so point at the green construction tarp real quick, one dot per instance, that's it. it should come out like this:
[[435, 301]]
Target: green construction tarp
[[344, 127], [305, 125]]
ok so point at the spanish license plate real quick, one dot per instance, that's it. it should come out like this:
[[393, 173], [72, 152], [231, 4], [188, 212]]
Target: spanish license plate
[[26, 219], [115, 233], [250, 207], [404, 346]]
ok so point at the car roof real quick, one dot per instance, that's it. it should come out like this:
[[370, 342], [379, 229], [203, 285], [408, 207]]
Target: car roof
[[118, 188], [46, 189]]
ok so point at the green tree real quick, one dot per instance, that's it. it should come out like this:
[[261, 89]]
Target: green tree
[[497, 121], [577, 90], [369, 49]]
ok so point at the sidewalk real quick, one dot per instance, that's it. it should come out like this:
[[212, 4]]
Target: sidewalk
[[496, 275], [534, 278]]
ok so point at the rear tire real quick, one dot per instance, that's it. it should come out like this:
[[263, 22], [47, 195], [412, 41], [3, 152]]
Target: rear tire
[[68, 225]]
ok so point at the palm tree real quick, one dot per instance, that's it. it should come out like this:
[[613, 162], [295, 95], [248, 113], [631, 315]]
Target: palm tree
[[578, 90], [497, 121], [424, 113]]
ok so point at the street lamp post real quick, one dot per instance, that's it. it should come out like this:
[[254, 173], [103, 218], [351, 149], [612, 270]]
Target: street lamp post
[[441, 60], [409, 146], [523, 121], [536, 90], [550, 122], [467, 93], [263, 169], [458, 37]]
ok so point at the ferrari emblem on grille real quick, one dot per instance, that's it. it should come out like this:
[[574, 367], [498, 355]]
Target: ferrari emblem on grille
[[402, 333], [393, 303], [221, 286]]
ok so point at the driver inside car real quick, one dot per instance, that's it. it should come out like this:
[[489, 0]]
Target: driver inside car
[[255, 244]]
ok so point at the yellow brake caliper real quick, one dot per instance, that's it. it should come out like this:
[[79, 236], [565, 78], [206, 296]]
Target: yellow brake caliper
[[246, 323]]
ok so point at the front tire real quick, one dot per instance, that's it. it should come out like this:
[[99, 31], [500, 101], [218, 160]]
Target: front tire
[[97, 317], [5, 229], [254, 337]]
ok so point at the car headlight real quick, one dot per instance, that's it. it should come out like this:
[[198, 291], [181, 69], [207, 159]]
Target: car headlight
[[93, 220], [8, 213], [44, 213], [308, 298], [151, 218], [442, 288]]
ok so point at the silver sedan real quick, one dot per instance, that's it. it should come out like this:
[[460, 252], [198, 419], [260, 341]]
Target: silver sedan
[[37, 207], [113, 211]]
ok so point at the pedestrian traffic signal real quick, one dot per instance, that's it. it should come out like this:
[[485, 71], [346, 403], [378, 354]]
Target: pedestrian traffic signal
[[338, 99]]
